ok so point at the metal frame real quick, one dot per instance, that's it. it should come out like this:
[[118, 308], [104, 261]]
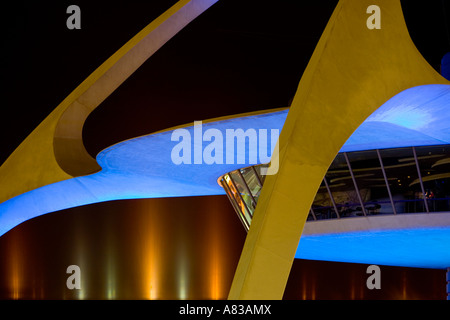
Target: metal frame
[[240, 196], [331, 197], [420, 180], [234, 204], [248, 190], [386, 181], [257, 176], [355, 184], [311, 211]]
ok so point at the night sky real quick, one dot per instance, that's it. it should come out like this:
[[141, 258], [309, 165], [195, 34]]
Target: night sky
[[237, 57]]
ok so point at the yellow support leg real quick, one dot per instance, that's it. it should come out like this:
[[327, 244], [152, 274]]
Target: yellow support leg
[[353, 71]]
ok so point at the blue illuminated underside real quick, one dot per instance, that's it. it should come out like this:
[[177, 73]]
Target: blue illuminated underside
[[415, 117], [142, 167], [418, 247]]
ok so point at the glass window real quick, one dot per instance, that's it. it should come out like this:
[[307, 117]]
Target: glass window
[[252, 180], [410, 194], [245, 215], [243, 190], [322, 205], [233, 201], [434, 163], [369, 177], [342, 188], [401, 172]]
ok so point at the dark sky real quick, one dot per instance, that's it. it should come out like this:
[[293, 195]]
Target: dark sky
[[238, 56]]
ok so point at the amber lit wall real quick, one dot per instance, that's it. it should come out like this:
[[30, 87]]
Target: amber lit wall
[[179, 248], [319, 280], [173, 248]]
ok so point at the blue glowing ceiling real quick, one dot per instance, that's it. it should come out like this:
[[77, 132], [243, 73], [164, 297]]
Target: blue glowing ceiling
[[418, 116], [408, 247], [409, 240]]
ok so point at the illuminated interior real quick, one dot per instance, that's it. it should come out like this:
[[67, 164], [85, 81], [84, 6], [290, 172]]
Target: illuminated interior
[[372, 182]]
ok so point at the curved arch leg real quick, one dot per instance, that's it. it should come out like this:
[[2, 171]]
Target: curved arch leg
[[352, 72]]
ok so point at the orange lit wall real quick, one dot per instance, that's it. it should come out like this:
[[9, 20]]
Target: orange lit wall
[[179, 248]]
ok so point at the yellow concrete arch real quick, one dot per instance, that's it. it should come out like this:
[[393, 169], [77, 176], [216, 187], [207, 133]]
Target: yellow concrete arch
[[54, 151], [352, 72]]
